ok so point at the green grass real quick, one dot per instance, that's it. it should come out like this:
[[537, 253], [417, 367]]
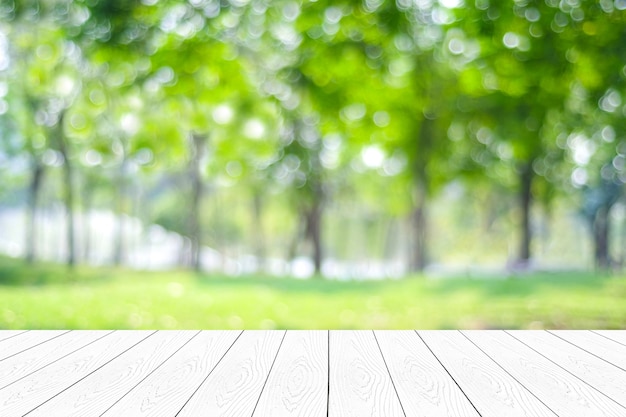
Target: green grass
[[90, 298]]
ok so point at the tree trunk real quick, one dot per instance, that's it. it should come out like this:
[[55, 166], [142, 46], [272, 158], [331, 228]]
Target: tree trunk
[[120, 204], [183, 254], [314, 233], [87, 204], [419, 219], [298, 235], [419, 259], [260, 248], [622, 257], [525, 201], [390, 241], [601, 238], [68, 196], [197, 144], [33, 202], [490, 212]]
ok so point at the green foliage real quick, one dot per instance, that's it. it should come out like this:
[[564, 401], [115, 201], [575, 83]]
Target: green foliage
[[322, 100]]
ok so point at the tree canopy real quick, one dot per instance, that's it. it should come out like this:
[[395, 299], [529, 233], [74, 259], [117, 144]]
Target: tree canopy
[[310, 105]]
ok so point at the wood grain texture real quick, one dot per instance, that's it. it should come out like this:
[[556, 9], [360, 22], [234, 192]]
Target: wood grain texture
[[313, 373], [234, 386], [28, 393], [617, 335], [424, 387], [298, 384], [359, 383], [493, 392], [31, 360], [14, 345], [100, 390], [557, 388], [606, 349], [601, 375], [7, 334], [164, 392]]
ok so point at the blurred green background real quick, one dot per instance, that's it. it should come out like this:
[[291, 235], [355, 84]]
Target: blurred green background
[[312, 164], [89, 298]]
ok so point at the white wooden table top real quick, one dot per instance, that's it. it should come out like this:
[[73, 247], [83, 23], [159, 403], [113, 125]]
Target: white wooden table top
[[313, 373]]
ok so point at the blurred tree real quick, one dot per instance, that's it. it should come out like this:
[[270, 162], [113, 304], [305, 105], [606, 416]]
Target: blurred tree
[[596, 125], [224, 125], [370, 101], [315, 69], [418, 102], [114, 38], [514, 96], [45, 84]]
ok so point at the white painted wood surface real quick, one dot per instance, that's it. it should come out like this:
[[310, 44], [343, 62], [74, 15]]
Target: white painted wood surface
[[14, 345], [493, 391], [565, 394], [597, 373], [313, 373], [39, 356], [165, 391], [606, 349], [616, 335], [7, 334], [298, 384], [360, 385], [424, 386], [234, 387], [27, 393], [101, 389]]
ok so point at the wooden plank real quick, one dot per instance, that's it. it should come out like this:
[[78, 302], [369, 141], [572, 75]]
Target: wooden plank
[[298, 383], [14, 345], [601, 375], [423, 385], [491, 390], [100, 390], [522, 373], [25, 363], [166, 390], [606, 349], [565, 394], [617, 335], [359, 383], [7, 334], [27, 393], [234, 386]]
